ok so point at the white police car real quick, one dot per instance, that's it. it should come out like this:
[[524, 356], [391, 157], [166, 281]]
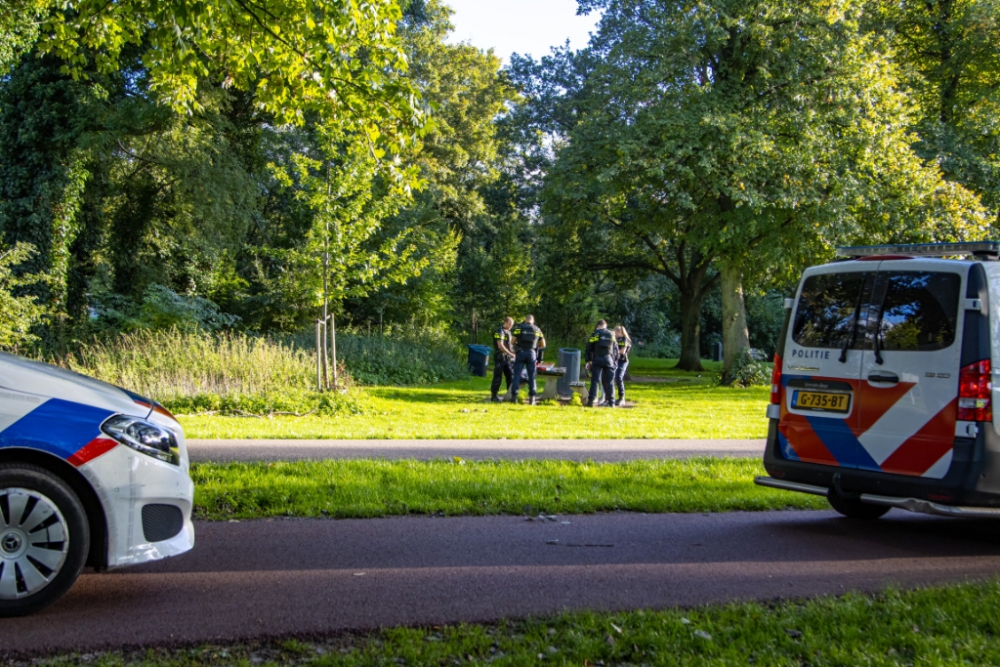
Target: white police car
[[90, 474], [882, 394]]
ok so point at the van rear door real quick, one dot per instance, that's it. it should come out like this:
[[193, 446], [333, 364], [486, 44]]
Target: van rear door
[[821, 369], [910, 368]]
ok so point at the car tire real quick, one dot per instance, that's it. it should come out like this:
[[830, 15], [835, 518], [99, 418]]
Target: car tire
[[855, 509], [44, 539]]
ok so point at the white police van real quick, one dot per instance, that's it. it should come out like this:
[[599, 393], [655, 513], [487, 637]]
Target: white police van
[[882, 394], [90, 474]]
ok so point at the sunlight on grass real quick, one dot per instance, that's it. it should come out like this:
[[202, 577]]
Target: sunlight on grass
[[688, 408], [370, 488], [936, 626]]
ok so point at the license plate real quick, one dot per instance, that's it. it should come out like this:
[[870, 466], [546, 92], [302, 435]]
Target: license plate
[[821, 401]]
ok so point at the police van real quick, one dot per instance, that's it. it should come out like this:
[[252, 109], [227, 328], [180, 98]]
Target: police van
[[882, 392], [90, 475]]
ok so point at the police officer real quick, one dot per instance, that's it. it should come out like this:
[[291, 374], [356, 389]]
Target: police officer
[[503, 356], [527, 338], [624, 342], [601, 355]]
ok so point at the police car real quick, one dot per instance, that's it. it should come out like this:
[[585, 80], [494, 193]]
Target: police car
[[882, 393], [90, 475]]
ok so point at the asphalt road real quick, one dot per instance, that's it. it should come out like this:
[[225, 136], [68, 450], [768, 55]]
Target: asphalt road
[[573, 450], [311, 577]]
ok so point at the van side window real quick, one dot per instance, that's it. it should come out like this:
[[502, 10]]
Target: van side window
[[827, 312], [920, 310]]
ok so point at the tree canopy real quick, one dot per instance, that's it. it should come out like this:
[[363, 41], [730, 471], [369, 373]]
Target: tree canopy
[[166, 162], [738, 133]]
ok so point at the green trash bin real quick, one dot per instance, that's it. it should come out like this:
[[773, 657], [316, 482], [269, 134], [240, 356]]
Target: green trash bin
[[479, 359]]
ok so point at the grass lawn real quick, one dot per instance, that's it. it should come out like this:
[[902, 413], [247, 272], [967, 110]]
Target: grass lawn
[[688, 406], [937, 626], [372, 488]]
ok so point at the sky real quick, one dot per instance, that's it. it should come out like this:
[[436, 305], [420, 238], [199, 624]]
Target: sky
[[520, 26]]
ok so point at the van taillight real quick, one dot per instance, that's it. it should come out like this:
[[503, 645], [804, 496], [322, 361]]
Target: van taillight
[[776, 381], [974, 389]]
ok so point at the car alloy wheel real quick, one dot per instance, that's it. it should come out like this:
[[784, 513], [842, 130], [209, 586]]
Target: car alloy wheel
[[44, 538], [34, 542]]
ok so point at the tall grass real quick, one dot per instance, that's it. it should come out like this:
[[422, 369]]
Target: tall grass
[[192, 371], [198, 372], [174, 363]]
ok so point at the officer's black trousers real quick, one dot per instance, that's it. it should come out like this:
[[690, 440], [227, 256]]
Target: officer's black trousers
[[501, 370], [524, 359], [602, 373]]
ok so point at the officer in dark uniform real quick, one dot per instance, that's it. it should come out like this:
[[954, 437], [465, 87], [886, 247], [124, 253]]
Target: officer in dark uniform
[[528, 338], [601, 356], [503, 357]]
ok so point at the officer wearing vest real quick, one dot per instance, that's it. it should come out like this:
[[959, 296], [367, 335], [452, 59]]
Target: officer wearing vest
[[528, 338], [503, 357], [601, 356]]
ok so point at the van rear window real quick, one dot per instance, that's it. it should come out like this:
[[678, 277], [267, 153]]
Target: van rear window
[[920, 310], [827, 310]]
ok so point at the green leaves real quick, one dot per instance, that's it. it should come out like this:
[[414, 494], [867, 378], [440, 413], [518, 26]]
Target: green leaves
[[949, 58], [759, 122], [338, 59], [18, 314]]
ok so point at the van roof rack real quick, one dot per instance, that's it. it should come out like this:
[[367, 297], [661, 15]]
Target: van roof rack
[[979, 249]]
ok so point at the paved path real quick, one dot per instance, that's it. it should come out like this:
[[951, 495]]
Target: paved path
[[575, 450], [311, 577]]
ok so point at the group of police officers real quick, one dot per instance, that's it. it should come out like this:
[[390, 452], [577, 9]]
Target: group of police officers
[[518, 347]]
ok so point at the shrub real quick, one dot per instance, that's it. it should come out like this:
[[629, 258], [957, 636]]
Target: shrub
[[748, 372], [18, 314], [404, 356], [163, 308], [386, 361], [668, 347]]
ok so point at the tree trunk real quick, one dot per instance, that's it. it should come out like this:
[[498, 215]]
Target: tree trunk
[[735, 336], [690, 332], [128, 234], [83, 264]]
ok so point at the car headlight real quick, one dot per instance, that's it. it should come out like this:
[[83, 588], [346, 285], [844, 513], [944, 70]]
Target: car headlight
[[143, 436]]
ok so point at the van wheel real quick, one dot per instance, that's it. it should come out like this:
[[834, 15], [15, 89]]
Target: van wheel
[[855, 509], [44, 539]]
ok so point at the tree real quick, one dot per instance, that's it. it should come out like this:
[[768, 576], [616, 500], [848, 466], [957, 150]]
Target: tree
[[144, 127], [341, 189], [949, 51], [43, 116], [336, 58], [457, 160], [600, 228], [497, 280], [114, 189], [758, 124]]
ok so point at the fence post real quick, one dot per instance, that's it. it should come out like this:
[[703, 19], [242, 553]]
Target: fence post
[[326, 359], [333, 347], [319, 357]]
